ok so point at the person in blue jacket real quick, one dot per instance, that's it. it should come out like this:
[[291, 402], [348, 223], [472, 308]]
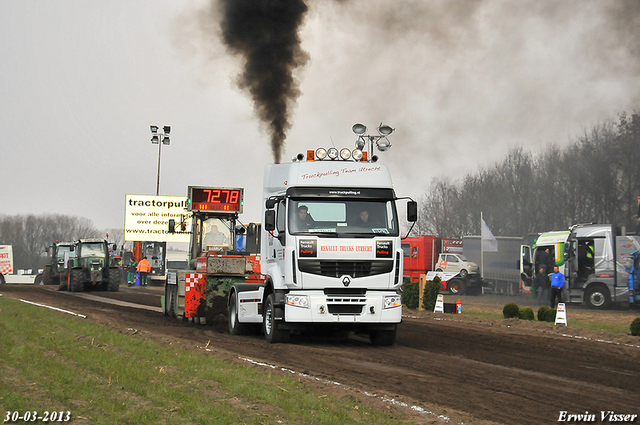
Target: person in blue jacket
[[557, 283]]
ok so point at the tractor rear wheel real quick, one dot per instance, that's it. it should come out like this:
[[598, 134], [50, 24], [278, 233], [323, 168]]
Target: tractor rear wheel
[[47, 275], [115, 276], [77, 280]]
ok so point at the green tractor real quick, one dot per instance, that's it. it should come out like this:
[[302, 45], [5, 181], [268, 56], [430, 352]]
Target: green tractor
[[56, 271], [91, 268]]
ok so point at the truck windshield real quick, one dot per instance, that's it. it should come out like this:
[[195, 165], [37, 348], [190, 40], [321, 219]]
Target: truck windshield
[[343, 217]]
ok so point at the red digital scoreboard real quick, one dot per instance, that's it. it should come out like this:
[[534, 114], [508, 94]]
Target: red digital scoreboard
[[216, 199]]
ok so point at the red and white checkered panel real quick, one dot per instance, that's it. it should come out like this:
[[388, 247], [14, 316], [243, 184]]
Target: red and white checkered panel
[[5, 268], [194, 294]]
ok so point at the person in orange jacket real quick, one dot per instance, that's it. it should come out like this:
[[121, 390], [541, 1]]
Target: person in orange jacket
[[144, 267]]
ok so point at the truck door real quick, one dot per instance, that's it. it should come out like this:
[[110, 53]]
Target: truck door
[[526, 265], [276, 239]]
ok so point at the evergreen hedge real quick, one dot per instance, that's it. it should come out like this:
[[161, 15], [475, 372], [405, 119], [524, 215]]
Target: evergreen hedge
[[410, 294], [430, 295], [635, 327], [510, 310], [526, 313]]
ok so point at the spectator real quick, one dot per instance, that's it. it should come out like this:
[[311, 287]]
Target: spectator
[[131, 269], [545, 261], [144, 267], [557, 283], [542, 283]]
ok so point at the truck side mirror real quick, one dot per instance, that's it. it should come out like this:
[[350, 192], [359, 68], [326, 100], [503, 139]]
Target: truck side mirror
[[251, 230], [240, 230], [270, 203], [172, 225], [412, 211], [270, 220]]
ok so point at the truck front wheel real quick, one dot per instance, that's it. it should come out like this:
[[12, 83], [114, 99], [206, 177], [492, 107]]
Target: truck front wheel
[[269, 324], [598, 297], [383, 337]]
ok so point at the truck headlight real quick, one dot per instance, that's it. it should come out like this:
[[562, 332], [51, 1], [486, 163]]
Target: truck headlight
[[392, 301], [298, 301]]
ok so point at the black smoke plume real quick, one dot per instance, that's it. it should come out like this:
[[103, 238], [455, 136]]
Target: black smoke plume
[[265, 34]]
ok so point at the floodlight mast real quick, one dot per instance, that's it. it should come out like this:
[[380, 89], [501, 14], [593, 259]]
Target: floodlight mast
[[160, 139], [369, 140]]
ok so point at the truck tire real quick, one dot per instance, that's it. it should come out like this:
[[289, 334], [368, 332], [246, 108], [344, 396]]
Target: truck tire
[[439, 269], [115, 276], [598, 296], [383, 338], [77, 280], [464, 273], [47, 275], [1, 279], [235, 327], [170, 299], [456, 286], [269, 324], [38, 280]]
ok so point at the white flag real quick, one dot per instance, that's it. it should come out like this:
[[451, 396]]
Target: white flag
[[489, 242]]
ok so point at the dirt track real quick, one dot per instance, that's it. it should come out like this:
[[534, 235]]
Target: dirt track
[[462, 368]]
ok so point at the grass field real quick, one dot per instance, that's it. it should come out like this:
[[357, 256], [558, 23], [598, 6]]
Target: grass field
[[59, 363]]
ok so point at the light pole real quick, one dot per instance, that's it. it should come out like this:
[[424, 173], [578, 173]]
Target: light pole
[[368, 140], [156, 138]]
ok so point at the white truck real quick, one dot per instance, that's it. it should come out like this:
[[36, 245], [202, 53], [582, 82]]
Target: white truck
[[337, 268], [6, 262], [597, 264]]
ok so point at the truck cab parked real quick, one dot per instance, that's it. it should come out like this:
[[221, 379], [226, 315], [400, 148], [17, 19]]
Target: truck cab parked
[[596, 264]]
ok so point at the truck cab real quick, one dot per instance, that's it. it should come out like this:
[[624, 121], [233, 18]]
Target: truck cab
[[596, 260], [330, 250]]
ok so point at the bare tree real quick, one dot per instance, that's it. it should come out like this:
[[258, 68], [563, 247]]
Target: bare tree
[[594, 179], [30, 235]]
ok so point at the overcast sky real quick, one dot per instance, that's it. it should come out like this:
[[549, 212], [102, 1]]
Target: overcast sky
[[460, 81]]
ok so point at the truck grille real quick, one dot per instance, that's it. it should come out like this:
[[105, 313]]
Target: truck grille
[[340, 268], [346, 300]]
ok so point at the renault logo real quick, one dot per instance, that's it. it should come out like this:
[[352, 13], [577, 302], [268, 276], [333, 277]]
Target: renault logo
[[346, 280]]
